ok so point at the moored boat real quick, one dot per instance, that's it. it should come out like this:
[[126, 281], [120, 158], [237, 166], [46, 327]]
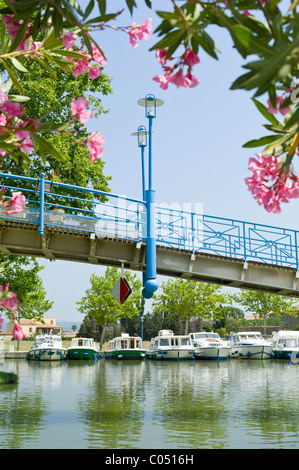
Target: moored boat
[[125, 347], [250, 345], [209, 345], [167, 346], [47, 348], [285, 344], [83, 349]]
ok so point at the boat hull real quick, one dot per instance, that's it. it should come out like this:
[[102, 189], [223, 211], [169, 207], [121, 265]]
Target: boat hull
[[171, 354], [213, 353], [46, 354], [126, 354], [83, 354], [252, 352], [284, 353]]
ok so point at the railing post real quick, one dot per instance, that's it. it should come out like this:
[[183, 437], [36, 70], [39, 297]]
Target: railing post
[[41, 203]]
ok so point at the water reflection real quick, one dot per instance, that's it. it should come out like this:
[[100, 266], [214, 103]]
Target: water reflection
[[114, 404]]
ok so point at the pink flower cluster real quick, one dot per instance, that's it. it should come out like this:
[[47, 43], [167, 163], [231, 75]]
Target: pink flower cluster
[[95, 141], [83, 65], [9, 300], [269, 185], [13, 28], [11, 123], [139, 32], [14, 204], [180, 79]]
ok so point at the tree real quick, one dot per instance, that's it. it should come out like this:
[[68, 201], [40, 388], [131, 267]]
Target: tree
[[187, 299], [99, 303], [264, 34], [263, 304], [22, 272]]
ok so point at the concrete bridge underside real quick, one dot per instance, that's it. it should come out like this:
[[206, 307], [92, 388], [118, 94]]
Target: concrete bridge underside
[[79, 246]]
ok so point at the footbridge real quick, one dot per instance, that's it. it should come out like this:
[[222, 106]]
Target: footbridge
[[73, 223]]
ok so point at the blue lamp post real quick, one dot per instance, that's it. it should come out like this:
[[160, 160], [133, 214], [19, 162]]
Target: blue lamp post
[[150, 284]]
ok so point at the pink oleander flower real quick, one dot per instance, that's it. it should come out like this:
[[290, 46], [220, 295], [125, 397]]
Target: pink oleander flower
[[3, 120], [191, 58], [140, 32], [78, 110], [97, 56], [69, 39], [279, 108], [94, 72], [9, 299], [161, 56], [179, 79], [15, 204], [269, 185], [12, 109], [18, 332], [25, 141], [163, 80], [191, 80], [81, 66], [95, 144]]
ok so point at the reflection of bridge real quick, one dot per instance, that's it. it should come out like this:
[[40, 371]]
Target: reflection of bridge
[[80, 224]]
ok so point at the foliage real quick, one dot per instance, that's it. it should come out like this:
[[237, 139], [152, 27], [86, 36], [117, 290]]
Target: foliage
[[8, 378], [99, 303], [22, 272], [187, 299], [262, 304]]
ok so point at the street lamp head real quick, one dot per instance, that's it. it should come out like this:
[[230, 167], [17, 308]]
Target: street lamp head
[[142, 136], [150, 102]]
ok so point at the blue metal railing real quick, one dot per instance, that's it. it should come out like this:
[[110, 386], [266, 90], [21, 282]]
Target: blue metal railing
[[118, 216]]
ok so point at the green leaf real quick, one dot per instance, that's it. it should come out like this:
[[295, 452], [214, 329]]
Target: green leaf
[[262, 141], [18, 65], [13, 77], [251, 42], [263, 110], [46, 146]]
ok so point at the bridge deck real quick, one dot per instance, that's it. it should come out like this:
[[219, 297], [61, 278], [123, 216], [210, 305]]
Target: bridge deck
[[22, 238]]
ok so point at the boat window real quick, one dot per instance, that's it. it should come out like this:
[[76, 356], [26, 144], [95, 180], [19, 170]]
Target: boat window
[[132, 345], [138, 343], [156, 343], [80, 342], [185, 342], [291, 343], [123, 344], [163, 342], [174, 342]]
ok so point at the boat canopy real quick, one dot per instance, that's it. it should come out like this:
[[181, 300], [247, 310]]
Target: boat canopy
[[82, 342]]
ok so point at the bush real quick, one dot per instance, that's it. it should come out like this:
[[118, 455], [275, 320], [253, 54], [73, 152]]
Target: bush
[[8, 378]]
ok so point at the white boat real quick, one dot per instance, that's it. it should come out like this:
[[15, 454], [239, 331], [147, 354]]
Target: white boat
[[285, 344], [250, 345], [167, 346], [125, 347], [209, 345], [47, 348], [83, 348], [1, 347]]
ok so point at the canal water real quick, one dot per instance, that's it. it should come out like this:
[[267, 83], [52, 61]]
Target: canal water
[[108, 404]]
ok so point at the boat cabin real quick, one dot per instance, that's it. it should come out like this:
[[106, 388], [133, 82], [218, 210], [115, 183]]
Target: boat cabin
[[204, 335], [83, 343], [247, 337], [166, 338], [286, 339], [125, 342]]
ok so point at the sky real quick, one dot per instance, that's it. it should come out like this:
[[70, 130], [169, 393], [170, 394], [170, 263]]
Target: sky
[[197, 143]]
